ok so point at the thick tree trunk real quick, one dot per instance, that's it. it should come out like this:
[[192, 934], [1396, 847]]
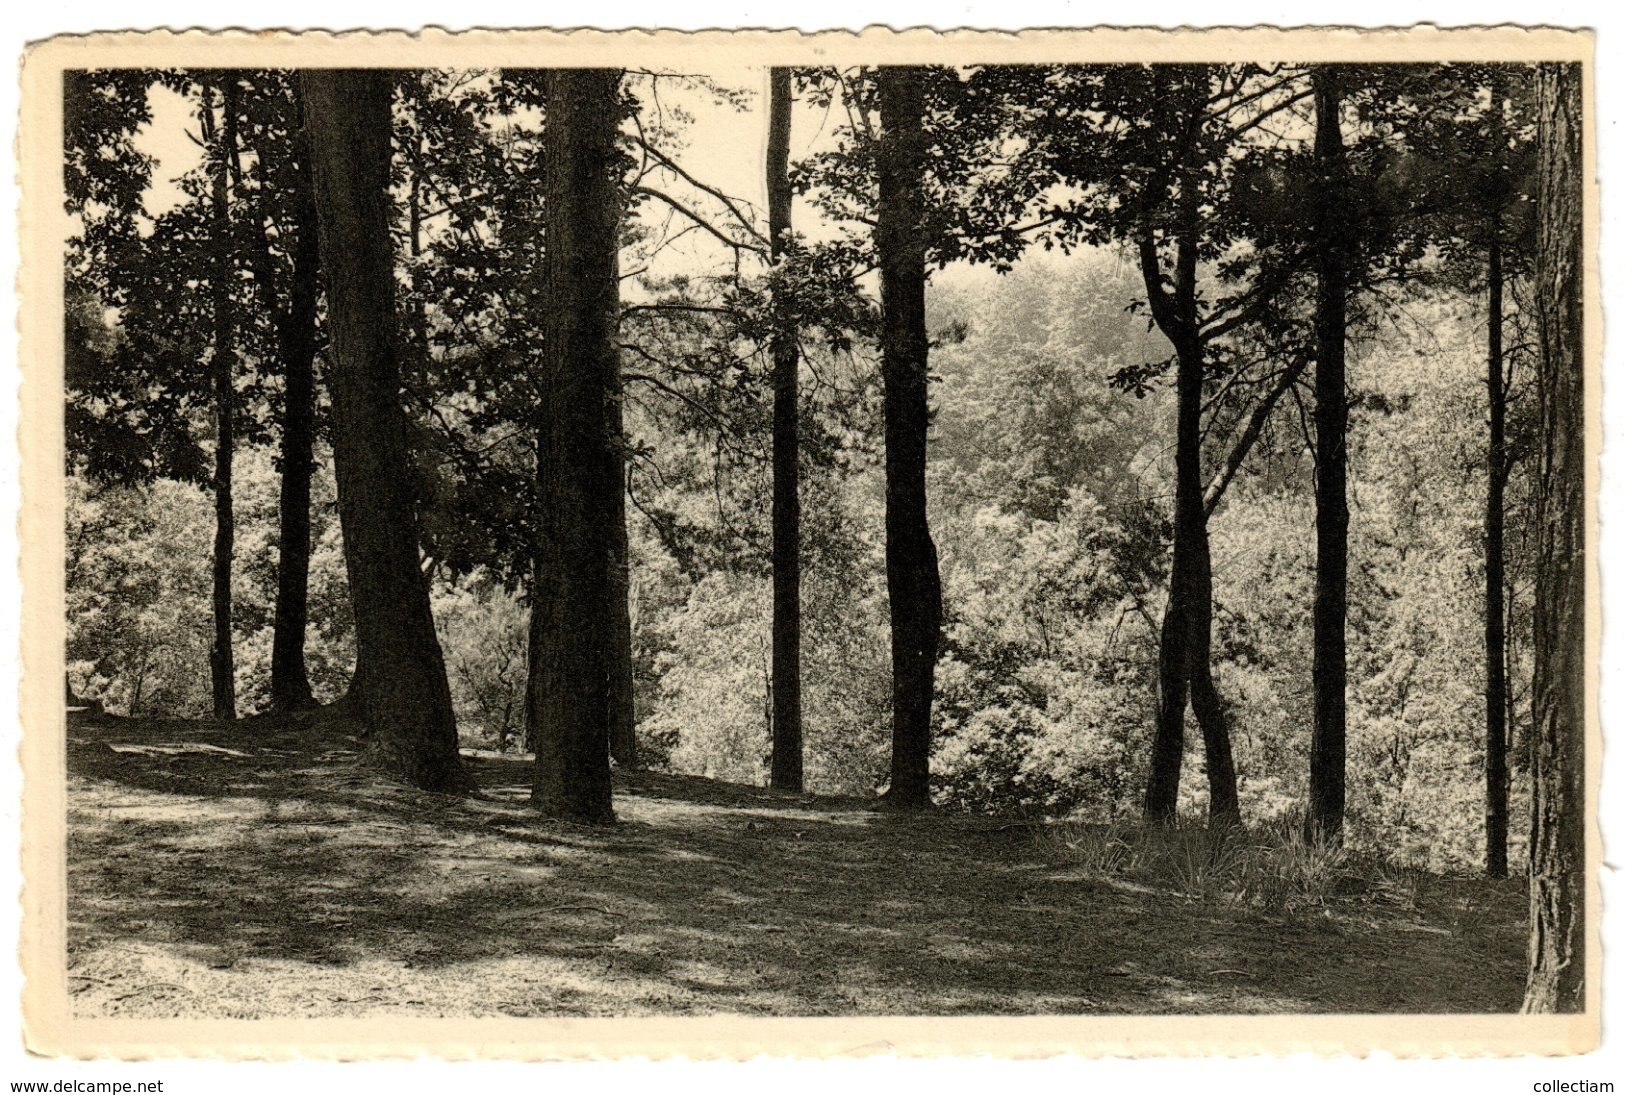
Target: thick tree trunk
[[786, 683], [296, 338], [1495, 652], [1327, 749], [1557, 852], [400, 686], [222, 665], [912, 580], [578, 465]]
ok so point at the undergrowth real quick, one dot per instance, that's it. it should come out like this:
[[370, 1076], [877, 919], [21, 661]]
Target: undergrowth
[[1275, 866]]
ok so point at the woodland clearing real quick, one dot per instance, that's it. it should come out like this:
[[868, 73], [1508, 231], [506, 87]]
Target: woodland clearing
[[259, 869]]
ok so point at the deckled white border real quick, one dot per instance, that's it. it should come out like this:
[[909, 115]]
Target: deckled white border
[[50, 1029]]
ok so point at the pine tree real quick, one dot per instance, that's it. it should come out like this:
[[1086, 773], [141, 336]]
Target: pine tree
[[786, 772], [400, 687], [578, 463], [1558, 878], [1328, 746], [912, 580]]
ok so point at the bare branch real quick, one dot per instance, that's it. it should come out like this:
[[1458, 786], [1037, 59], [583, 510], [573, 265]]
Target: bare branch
[[676, 169], [737, 245]]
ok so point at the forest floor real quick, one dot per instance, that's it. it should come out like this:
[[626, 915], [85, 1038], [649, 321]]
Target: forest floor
[[258, 869]]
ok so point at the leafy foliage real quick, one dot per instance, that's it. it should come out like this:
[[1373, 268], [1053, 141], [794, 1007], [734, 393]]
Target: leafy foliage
[[1056, 206]]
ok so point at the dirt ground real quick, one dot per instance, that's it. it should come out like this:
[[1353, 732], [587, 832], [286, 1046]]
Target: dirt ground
[[257, 869]]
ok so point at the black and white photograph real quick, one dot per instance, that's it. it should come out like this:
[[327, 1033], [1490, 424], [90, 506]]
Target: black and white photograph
[[813, 529]]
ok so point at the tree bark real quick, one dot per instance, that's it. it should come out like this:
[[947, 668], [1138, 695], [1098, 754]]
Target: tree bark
[[1495, 646], [296, 344], [1185, 672], [400, 686], [1173, 692], [912, 580], [578, 465], [1328, 746], [533, 650], [222, 664], [1557, 852], [786, 772], [623, 726]]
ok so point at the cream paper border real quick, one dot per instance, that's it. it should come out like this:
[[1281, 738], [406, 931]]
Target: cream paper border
[[49, 1027]]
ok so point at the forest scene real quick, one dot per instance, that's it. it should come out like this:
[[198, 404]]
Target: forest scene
[[1007, 539]]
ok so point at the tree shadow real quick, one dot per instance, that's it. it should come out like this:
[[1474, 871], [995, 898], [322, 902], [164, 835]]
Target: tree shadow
[[245, 848]]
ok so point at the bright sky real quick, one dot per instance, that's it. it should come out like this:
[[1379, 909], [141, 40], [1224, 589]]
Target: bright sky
[[723, 146], [164, 138]]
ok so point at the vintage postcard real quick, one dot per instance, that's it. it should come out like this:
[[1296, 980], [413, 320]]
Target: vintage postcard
[[567, 544]]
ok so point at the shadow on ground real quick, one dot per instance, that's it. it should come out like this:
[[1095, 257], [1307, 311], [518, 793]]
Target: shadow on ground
[[259, 869]]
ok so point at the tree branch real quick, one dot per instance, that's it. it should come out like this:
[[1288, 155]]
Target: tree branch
[[737, 245], [1249, 434], [672, 166]]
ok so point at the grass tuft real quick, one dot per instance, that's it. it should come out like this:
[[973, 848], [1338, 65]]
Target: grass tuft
[[1274, 866]]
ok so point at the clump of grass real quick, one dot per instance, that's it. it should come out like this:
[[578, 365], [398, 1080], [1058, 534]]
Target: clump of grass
[[1289, 869], [1275, 866], [1193, 860], [1402, 884], [1102, 851]]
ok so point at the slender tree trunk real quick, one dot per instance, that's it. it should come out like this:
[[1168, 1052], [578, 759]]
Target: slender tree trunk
[[1185, 671], [400, 685], [1495, 646], [1173, 692], [578, 473], [1557, 843], [222, 667], [1328, 746], [1185, 590], [912, 580], [786, 681], [296, 337], [1192, 589], [623, 725], [1224, 803]]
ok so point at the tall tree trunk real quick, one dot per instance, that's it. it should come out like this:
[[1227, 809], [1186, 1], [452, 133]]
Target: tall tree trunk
[[222, 665], [786, 682], [296, 340], [578, 465], [623, 725], [1185, 592], [1327, 749], [1495, 614], [1557, 852], [1185, 671], [912, 580], [400, 686]]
